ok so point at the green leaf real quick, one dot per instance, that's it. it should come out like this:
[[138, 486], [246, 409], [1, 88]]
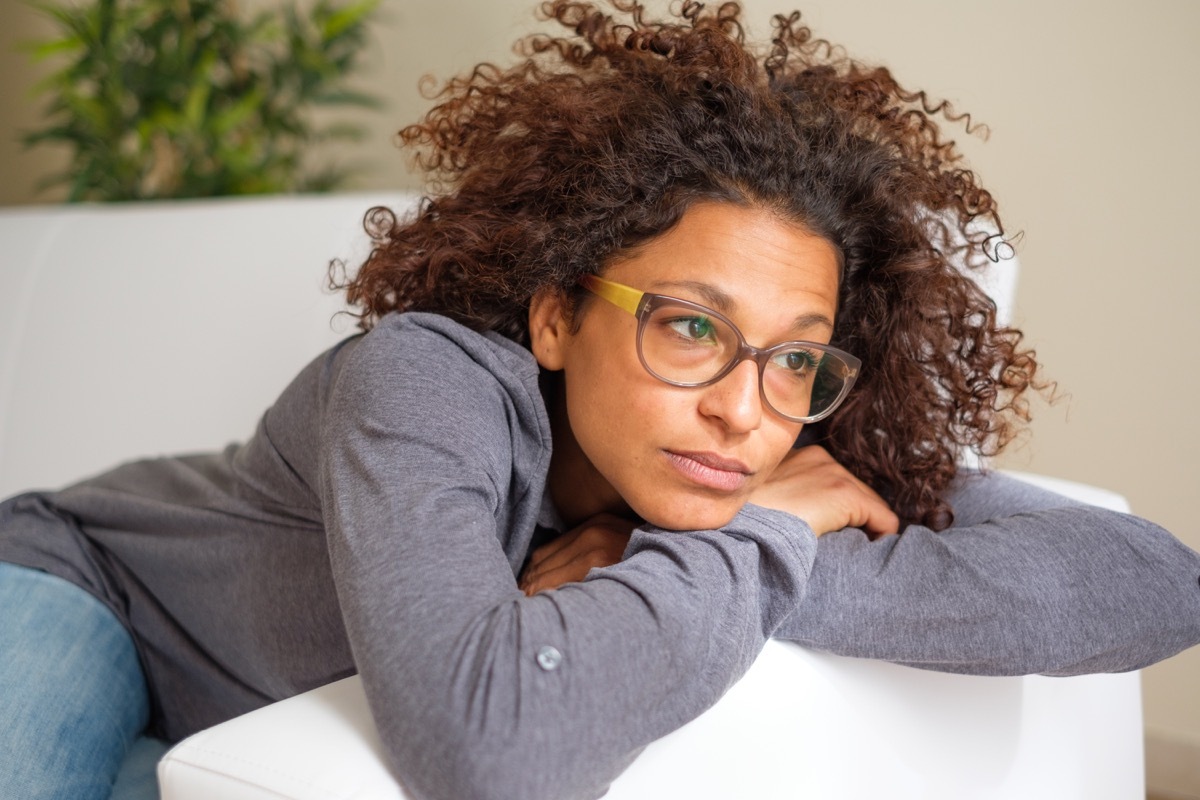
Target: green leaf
[[197, 98], [346, 97], [347, 19], [188, 98], [42, 50], [237, 115], [343, 131]]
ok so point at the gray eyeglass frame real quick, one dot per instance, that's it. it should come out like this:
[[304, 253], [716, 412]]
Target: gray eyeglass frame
[[642, 305]]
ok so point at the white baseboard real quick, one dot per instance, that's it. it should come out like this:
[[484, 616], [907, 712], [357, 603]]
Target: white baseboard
[[1172, 764]]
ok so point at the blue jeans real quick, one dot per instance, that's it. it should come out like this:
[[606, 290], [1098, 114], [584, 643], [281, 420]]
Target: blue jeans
[[73, 700]]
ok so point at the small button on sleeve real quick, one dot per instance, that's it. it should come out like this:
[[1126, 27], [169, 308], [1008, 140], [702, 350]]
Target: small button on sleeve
[[548, 658]]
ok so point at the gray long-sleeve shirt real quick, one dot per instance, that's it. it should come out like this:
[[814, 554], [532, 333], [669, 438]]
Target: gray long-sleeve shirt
[[379, 515]]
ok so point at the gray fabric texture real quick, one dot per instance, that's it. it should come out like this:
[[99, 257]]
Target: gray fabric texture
[[378, 517]]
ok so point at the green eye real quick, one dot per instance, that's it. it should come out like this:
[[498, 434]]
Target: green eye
[[693, 328], [800, 362]]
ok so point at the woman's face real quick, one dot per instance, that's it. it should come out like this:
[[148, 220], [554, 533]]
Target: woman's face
[[681, 458]]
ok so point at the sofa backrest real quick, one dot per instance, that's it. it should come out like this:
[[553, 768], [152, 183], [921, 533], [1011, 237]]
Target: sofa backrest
[[141, 328], [135, 329]]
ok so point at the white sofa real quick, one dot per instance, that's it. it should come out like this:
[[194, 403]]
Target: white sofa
[[136, 329]]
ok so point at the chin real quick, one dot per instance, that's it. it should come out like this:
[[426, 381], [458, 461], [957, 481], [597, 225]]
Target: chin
[[691, 514]]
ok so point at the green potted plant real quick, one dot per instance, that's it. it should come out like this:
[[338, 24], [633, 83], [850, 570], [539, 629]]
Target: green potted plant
[[185, 98]]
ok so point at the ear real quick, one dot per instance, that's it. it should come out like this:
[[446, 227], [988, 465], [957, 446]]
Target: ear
[[549, 328]]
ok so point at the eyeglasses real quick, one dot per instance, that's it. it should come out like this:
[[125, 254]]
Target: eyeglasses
[[687, 344]]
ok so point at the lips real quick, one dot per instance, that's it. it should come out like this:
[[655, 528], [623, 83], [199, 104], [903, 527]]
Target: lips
[[710, 470]]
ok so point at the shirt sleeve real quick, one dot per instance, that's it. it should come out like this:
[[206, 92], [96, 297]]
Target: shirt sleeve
[[477, 690], [1025, 582]]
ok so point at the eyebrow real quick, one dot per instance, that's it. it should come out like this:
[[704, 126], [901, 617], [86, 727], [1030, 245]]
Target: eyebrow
[[725, 304]]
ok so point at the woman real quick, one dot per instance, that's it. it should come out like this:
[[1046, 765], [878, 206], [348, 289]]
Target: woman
[[673, 260]]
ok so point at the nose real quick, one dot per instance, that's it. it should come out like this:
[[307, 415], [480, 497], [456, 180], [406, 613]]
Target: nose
[[735, 399]]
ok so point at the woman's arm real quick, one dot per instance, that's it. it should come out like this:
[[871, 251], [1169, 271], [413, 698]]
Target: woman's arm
[[479, 691], [1026, 582]]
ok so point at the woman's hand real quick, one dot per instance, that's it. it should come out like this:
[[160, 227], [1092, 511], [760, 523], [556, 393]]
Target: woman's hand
[[807, 483], [597, 542], [811, 485]]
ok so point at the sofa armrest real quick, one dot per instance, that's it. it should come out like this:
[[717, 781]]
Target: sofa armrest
[[799, 724], [320, 745], [1084, 493]]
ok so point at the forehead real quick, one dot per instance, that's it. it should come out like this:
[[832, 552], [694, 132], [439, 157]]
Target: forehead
[[743, 261]]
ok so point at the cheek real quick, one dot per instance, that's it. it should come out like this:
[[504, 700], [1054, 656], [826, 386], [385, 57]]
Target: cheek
[[616, 406], [778, 444], [781, 438]]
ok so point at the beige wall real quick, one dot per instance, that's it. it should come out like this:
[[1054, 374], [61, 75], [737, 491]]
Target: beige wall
[[1093, 154]]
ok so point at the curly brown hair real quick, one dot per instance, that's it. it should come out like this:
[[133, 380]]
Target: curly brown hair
[[600, 140]]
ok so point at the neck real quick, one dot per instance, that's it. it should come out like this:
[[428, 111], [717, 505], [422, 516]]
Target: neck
[[578, 491]]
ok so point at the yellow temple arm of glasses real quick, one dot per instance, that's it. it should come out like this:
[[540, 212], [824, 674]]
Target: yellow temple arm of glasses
[[618, 294]]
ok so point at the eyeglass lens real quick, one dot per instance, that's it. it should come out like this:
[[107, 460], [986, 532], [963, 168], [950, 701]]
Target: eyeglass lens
[[684, 346]]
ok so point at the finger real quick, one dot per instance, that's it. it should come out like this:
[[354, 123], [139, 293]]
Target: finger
[[878, 518], [556, 559], [554, 545], [602, 520], [580, 562], [577, 560], [602, 537], [552, 579]]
